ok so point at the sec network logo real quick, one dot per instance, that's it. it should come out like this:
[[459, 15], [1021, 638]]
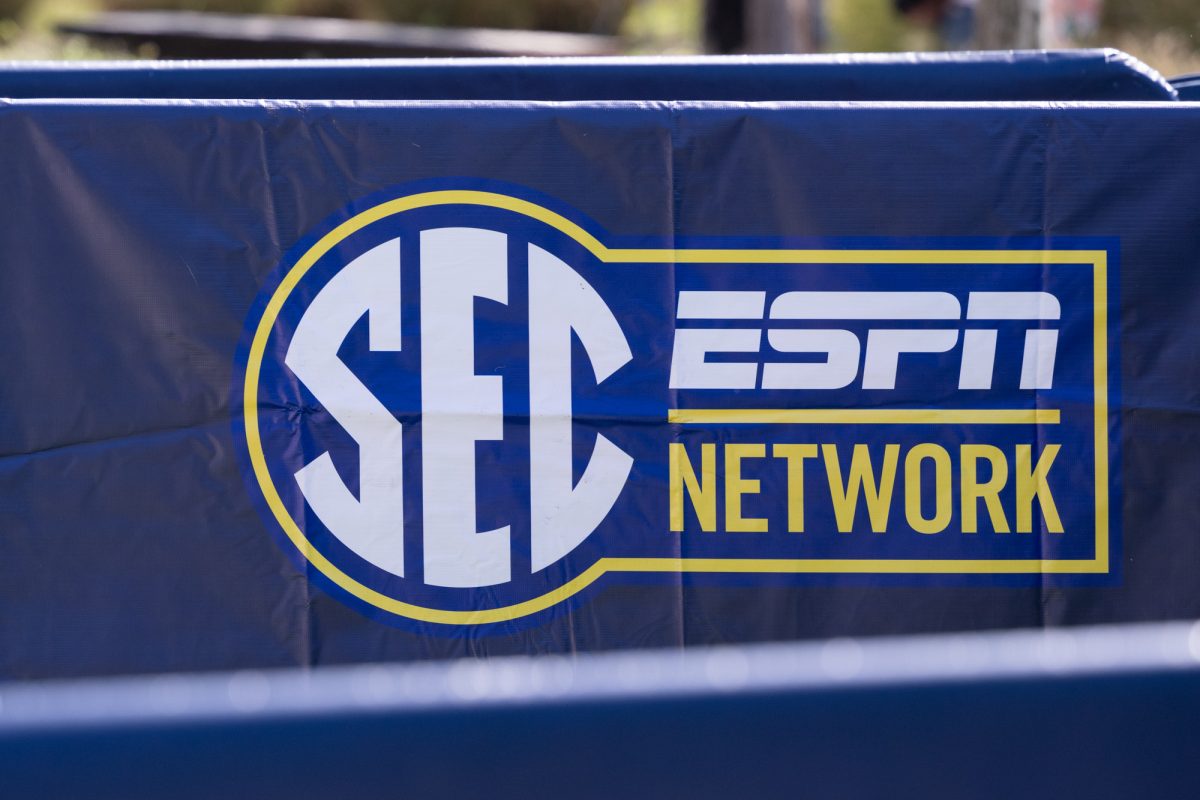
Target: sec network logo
[[365, 407], [463, 408]]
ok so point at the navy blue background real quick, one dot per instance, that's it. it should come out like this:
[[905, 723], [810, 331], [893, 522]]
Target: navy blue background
[[138, 235]]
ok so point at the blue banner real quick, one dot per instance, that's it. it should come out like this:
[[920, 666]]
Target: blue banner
[[342, 381], [463, 407]]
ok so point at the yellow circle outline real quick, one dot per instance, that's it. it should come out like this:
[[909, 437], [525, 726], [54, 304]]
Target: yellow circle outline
[[1098, 564], [253, 440]]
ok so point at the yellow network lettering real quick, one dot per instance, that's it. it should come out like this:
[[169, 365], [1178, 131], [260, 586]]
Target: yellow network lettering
[[702, 491], [736, 486], [795, 454], [1032, 484], [933, 482], [912, 488], [988, 491], [878, 495]]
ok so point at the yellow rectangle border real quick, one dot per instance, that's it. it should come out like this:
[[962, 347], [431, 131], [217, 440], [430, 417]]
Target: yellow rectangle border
[[899, 257], [864, 416], [1099, 564]]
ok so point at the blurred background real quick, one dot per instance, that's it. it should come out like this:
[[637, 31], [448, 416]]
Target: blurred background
[[1163, 33]]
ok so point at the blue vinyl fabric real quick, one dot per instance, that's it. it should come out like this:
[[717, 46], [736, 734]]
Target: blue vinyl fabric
[[1017, 75], [768, 720], [1187, 86], [145, 238]]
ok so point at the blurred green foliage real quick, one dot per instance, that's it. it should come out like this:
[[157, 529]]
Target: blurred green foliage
[[10, 9], [864, 26], [1164, 33], [664, 26], [1179, 18]]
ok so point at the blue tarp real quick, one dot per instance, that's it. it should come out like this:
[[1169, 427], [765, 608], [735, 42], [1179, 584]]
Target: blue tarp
[[204, 299], [770, 720], [1033, 75], [1187, 87]]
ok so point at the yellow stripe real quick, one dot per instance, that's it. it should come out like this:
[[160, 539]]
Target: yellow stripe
[[865, 416], [667, 256], [1100, 380], [892, 566]]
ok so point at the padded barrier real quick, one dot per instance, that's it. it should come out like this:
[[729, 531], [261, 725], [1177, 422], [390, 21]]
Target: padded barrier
[[1061, 75], [1187, 87], [1100, 713]]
